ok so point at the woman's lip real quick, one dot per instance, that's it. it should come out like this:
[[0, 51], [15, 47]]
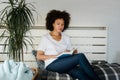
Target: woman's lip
[[61, 29]]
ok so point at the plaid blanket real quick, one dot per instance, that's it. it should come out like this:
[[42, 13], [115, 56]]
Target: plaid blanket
[[48, 75], [108, 71], [104, 71], [57, 76]]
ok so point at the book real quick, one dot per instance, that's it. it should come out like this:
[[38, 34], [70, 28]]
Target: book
[[66, 54]]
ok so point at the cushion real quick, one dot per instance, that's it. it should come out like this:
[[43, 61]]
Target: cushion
[[40, 63], [48, 75]]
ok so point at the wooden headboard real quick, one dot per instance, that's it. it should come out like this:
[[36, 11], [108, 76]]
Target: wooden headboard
[[90, 40]]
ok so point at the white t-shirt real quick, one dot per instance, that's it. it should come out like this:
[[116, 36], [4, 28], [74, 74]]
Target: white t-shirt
[[52, 47]]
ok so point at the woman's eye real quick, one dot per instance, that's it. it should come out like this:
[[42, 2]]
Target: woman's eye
[[62, 24], [58, 23]]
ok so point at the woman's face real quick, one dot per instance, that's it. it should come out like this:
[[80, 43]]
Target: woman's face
[[58, 25]]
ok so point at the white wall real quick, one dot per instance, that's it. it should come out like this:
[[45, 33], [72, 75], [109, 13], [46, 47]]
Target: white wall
[[88, 13]]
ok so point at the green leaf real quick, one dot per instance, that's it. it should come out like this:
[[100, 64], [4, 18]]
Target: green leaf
[[17, 18]]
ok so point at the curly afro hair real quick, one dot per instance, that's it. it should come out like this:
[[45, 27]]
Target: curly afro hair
[[57, 14]]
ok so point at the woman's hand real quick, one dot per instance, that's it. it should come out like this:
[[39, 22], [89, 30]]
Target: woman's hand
[[40, 56], [64, 51], [75, 51]]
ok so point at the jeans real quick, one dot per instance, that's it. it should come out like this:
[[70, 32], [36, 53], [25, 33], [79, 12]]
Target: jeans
[[77, 66]]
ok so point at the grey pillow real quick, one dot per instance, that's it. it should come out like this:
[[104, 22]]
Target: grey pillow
[[40, 63]]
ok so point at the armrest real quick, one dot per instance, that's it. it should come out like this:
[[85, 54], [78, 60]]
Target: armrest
[[35, 70]]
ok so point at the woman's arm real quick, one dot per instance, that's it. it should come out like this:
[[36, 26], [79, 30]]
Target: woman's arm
[[42, 56]]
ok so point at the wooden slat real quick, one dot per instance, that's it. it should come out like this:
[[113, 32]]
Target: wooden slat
[[6, 33], [75, 40], [91, 49], [3, 41], [37, 32], [87, 48], [98, 41], [29, 57], [86, 33], [73, 33], [96, 56], [36, 40], [3, 57]]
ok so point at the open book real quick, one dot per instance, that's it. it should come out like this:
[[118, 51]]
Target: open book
[[66, 54]]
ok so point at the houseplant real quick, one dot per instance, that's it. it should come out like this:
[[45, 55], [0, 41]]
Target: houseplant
[[17, 19]]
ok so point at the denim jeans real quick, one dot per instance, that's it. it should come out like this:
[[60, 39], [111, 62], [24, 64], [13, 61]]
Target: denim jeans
[[77, 66]]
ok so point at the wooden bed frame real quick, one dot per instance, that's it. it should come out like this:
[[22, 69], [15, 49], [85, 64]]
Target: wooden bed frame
[[90, 40]]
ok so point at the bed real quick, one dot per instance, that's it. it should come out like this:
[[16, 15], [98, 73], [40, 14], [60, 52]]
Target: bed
[[90, 40], [104, 70]]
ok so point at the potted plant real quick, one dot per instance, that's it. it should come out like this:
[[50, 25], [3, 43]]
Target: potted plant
[[17, 19]]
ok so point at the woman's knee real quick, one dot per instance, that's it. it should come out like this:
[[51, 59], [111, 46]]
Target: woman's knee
[[80, 55]]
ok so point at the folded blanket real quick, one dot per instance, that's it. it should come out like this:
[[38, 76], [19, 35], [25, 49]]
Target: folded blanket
[[11, 70], [24, 73]]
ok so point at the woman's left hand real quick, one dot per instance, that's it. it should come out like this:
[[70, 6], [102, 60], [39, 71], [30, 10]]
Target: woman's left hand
[[75, 51]]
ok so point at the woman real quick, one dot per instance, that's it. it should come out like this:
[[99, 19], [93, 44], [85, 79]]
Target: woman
[[55, 42]]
